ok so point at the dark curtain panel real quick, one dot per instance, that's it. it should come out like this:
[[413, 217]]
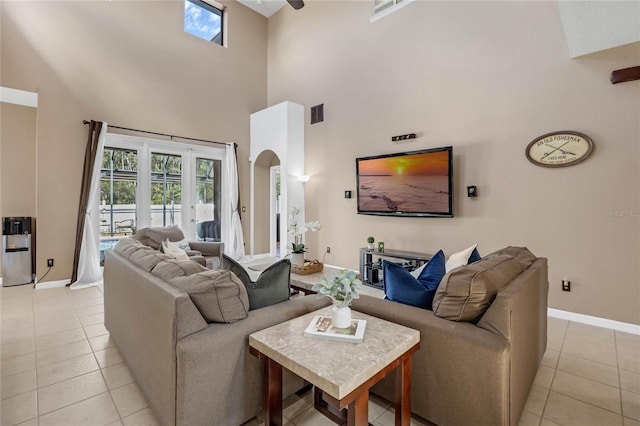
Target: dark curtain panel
[[87, 172], [235, 149]]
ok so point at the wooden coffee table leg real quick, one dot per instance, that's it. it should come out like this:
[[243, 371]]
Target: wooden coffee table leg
[[403, 392], [358, 412], [272, 393]]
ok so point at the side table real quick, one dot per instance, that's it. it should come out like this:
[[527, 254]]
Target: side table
[[342, 372]]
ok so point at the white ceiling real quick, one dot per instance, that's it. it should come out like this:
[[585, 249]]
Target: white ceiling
[[264, 7]]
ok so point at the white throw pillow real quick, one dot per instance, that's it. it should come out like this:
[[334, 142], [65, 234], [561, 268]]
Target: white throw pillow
[[173, 250], [184, 244], [416, 272], [460, 258]]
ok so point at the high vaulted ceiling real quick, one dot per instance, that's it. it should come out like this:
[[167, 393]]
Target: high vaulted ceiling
[[264, 7]]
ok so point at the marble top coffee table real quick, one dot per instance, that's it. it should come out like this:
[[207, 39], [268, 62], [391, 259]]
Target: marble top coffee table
[[342, 372]]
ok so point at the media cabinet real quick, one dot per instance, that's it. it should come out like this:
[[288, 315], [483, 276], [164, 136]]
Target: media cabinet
[[371, 263]]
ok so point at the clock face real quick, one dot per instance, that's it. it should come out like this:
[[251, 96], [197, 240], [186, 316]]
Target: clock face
[[559, 149]]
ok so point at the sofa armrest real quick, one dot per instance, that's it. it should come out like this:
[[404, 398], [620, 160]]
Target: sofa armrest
[[207, 248], [519, 313], [460, 374], [217, 360]]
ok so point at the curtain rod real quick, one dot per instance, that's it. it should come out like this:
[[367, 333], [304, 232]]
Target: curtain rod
[[164, 134]]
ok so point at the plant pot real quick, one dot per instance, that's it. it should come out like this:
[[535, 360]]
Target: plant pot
[[371, 246], [297, 259], [341, 317]]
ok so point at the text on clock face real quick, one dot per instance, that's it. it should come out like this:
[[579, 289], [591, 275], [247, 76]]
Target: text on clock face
[[568, 138]]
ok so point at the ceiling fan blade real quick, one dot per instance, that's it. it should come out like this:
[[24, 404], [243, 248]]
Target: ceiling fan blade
[[296, 4]]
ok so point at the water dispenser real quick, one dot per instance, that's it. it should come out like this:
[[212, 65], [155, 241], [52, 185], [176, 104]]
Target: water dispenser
[[16, 251]]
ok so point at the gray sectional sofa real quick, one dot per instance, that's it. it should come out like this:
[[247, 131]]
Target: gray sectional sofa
[[475, 372], [192, 372], [479, 352]]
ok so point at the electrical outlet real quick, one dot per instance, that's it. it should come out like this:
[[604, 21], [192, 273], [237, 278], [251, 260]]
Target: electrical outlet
[[328, 250], [566, 284], [50, 263]]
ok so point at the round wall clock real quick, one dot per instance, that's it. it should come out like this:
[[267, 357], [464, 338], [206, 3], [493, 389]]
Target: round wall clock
[[559, 149]]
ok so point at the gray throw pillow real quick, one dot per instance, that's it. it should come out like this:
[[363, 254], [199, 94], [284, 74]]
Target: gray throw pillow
[[127, 246], [521, 254], [271, 287], [219, 295], [169, 269], [153, 237], [465, 293], [148, 259]]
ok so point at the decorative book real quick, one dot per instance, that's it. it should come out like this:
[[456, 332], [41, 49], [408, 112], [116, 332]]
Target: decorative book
[[321, 327]]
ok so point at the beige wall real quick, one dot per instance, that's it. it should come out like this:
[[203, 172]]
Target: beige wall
[[487, 78], [17, 160], [18, 164], [128, 63]]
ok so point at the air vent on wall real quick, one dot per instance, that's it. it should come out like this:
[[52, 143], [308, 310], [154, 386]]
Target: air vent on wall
[[317, 114]]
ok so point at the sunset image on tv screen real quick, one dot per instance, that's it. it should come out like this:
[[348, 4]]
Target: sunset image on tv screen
[[415, 183]]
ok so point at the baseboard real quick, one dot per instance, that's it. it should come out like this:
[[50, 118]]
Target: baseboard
[[52, 284], [595, 321]]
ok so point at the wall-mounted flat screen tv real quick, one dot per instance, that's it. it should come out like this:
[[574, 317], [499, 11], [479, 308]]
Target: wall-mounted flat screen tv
[[416, 183]]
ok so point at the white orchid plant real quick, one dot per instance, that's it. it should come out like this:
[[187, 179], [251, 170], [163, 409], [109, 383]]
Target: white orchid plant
[[343, 287], [297, 231]]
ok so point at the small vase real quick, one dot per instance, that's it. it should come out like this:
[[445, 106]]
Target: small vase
[[297, 259], [341, 317]]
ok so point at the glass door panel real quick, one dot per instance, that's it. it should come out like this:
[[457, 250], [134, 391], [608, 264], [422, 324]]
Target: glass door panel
[[166, 189], [207, 199], [118, 187]]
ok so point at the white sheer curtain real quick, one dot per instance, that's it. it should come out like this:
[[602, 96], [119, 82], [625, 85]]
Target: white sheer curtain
[[234, 247], [89, 271]]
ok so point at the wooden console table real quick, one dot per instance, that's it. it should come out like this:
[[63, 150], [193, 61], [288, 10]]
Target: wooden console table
[[342, 372]]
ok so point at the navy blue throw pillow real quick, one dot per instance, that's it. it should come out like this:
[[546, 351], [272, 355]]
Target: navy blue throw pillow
[[475, 256], [400, 286]]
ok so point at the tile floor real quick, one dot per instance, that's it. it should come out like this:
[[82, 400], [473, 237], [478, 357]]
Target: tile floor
[[59, 367]]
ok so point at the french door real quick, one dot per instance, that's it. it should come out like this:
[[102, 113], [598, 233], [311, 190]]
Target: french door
[[208, 198], [155, 183]]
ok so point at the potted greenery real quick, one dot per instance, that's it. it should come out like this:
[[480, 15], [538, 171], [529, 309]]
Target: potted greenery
[[297, 231], [370, 241], [342, 288]]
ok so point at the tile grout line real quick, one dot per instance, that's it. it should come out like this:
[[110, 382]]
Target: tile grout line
[[35, 353], [93, 352], [553, 377], [621, 414], [615, 341]]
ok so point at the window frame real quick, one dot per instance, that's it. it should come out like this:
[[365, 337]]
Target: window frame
[[189, 153], [216, 9]]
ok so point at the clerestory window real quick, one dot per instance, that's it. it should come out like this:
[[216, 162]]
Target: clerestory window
[[203, 20]]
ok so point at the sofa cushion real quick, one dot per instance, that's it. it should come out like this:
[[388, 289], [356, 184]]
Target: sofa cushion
[[460, 258], [464, 294], [271, 287], [169, 269], [148, 259], [153, 237], [520, 254], [127, 246], [400, 286], [219, 295]]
